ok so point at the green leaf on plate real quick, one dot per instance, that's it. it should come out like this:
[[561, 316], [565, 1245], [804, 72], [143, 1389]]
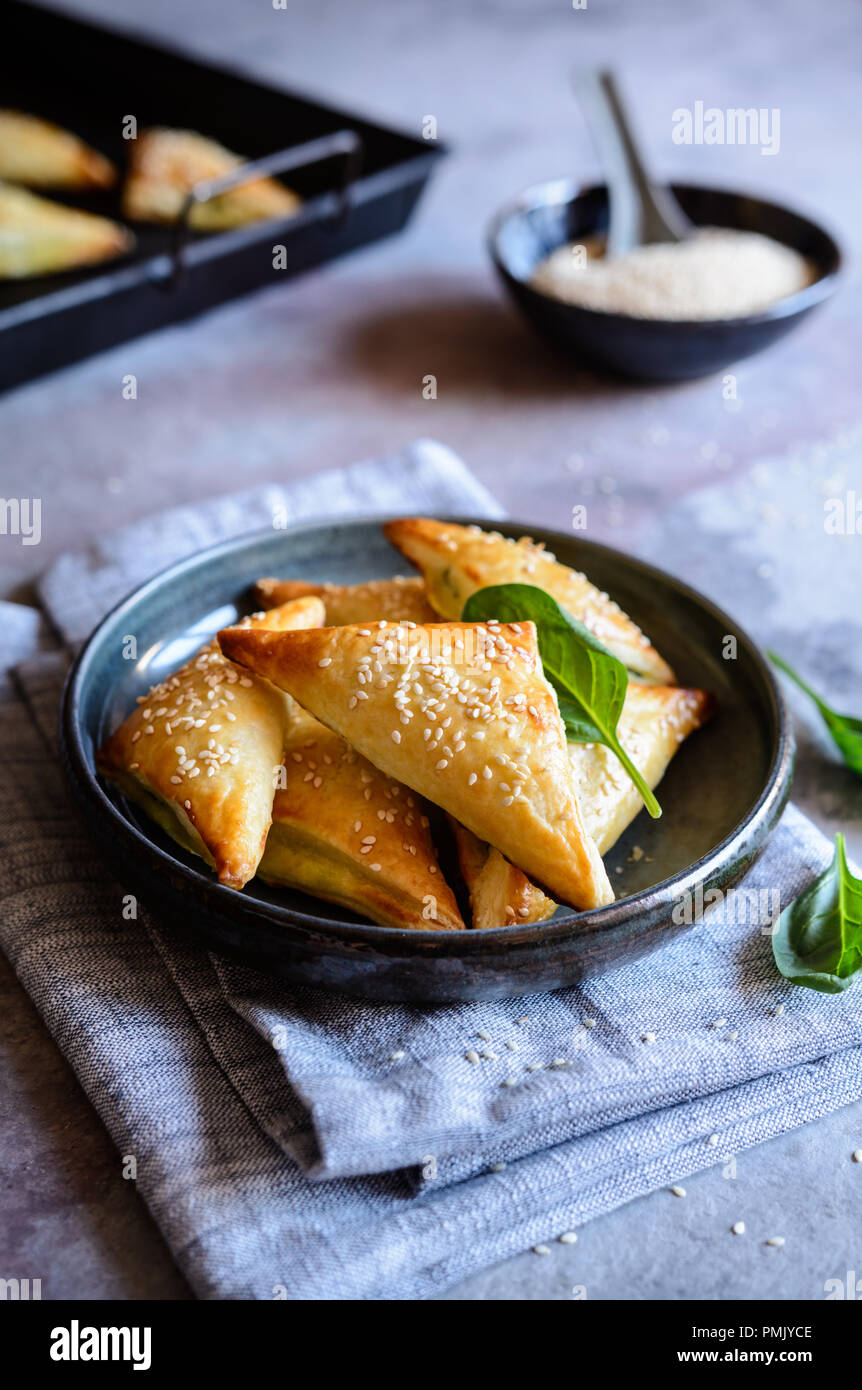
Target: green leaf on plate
[[845, 729], [818, 939], [590, 682]]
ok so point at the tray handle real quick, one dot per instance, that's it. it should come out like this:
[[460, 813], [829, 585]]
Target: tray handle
[[344, 143]]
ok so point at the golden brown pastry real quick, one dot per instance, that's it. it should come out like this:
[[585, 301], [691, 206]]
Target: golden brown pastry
[[164, 166], [343, 831], [459, 712], [457, 560], [42, 155], [397, 600], [38, 236], [500, 894], [655, 720], [202, 753]]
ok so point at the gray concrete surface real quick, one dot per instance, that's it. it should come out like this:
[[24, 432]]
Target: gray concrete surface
[[320, 371]]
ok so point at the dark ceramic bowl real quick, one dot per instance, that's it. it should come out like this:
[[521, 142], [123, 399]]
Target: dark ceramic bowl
[[551, 214], [721, 796]]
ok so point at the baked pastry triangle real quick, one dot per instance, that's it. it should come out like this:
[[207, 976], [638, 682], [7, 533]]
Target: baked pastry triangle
[[345, 832], [655, 720], [203, 751], [165, 165], [459, 712], [456, 560], [38, 236], [43, 155], [500, 894], [396, 600]]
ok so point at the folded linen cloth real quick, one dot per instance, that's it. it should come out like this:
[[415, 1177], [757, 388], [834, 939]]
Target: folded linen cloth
[[283, 1142]]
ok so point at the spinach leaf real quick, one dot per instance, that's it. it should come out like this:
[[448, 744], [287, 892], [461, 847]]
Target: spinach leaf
[[845, 729], [590, 682], [818, 939]]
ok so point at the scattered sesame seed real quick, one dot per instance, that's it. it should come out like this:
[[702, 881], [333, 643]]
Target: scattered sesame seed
[[510, 1081], [731, 1037], [718, 1023], [857, 1155], [541, 1249], [738, 1228], [396, 1056], [325, 661], [648, 1038], [778, 1010], [589, 1023], [777, 1241], [497, 1167], [396, 736], [522, 1021], [568, 1238], [559, 1062], [472, 1056], [678, 1191], [488, 1055], [712, 1140], [512, 1046]]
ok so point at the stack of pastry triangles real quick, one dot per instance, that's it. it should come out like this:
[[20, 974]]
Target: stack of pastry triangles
[[365, 725]]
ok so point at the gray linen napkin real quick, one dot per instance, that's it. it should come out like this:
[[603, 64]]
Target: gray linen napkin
[[237, 1095]]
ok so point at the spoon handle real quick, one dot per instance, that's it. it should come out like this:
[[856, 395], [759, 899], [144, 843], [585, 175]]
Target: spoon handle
[[640, 211]]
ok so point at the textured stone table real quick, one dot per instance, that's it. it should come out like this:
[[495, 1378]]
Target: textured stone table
[[317, 372]]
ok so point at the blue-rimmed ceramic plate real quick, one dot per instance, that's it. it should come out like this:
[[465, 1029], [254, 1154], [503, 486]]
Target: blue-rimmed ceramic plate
[[721, 796]]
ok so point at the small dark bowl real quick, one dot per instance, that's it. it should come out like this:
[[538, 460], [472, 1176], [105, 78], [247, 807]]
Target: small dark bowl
[[721, 796], [551, 214]]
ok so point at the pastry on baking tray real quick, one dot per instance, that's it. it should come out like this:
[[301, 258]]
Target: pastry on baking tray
[[462, 714], [655, 720], [345, 832], [164, 166], [42, 155], [38, 236], [396, 600], [456, 560], [202, 753], [500, 894]]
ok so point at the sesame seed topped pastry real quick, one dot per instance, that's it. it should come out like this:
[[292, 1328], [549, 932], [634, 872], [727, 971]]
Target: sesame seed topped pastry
[[203, 750], [655, 720], [40, 237], [43, 155], [397, 600], [500, 894], [457, 560], [164, 167], [345, 832], [462, 714]]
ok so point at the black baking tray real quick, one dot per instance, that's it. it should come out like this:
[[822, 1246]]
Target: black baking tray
[[89, 79]]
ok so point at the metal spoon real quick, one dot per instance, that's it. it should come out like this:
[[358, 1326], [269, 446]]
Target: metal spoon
[[641, 211]]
